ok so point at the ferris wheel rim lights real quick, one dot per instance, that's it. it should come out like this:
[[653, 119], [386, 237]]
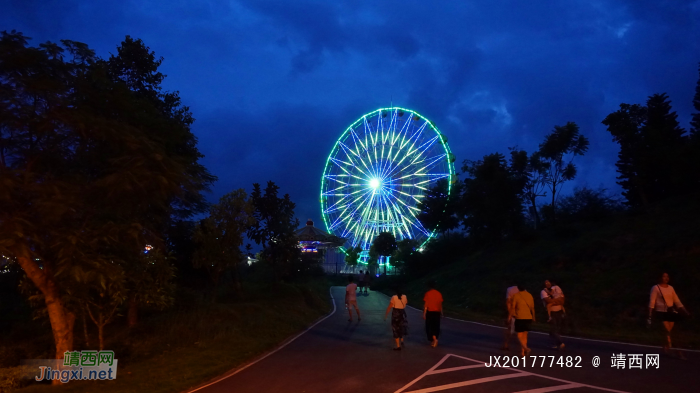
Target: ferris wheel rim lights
[[378, 182]]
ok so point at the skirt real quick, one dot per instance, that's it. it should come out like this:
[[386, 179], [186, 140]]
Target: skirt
[[667, 316], [399, 323]]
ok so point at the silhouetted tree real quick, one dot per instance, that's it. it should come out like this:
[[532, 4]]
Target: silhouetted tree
[[352, 255], [491, 203], [403, 253], [694, 145], [219, 237], [652, 147], [533, 174], [275, 228], [438, 209], [695, 120], [91, 173], [587, 204], [555, 157], [385, 245]]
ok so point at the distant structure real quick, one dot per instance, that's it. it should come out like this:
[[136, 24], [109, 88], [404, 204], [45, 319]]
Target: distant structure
[[315, 241]]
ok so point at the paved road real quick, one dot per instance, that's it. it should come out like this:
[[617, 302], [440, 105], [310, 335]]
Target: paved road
[[339, 356]]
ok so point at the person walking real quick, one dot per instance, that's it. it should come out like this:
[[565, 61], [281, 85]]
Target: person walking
[[553, 299], [509, 330], [368, 278], [361, 281], [351, 298], [522, 308], [667, 307], [432, 312], [399, 320]]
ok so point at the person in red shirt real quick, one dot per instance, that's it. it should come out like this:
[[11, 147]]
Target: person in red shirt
[[432, 312]]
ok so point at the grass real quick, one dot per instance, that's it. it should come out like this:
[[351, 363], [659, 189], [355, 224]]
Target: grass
[[175, 350], [606, 270]]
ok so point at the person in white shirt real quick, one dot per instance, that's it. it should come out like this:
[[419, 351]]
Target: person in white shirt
[[351, 298], [553, 298], [510, 322], [665, 304], [399, 320]]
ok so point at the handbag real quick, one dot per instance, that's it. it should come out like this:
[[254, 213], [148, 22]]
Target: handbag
[[672, 309]]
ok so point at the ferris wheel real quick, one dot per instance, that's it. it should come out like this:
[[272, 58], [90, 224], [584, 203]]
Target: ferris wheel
[[378, 171]]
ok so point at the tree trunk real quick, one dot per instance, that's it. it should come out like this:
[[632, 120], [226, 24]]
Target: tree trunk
[[100, 331], [85, 332], [537, 215], [215, 287], [237, 282], [554, 208], [132, 315], [62, 320]]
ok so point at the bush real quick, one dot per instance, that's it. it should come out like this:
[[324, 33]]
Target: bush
[[11, 378]]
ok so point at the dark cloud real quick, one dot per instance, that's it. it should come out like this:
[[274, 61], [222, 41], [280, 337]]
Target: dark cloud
[[274, 83]]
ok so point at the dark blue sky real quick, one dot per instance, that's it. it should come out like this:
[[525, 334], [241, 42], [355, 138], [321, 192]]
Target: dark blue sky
[[273, 84]]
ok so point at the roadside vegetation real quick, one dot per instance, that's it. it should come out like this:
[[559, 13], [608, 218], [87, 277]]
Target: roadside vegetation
[[108, 241], [606, 269]]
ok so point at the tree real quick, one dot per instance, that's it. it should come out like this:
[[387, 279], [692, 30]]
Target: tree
[[587, 204], [149, 283], [352, 255], [385, 245], [274, 228], [403, 253], [695, 120], [555, 157], [652, 147], [219, 238], [533, 174], [694, 145], [491, 204], [373, 259], [438, 209], [89, 173]]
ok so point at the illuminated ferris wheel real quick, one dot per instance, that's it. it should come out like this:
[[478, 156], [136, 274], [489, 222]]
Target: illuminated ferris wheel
[[378, 172]]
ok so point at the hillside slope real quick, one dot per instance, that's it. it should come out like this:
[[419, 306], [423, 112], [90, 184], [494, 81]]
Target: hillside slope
[[606, 270]]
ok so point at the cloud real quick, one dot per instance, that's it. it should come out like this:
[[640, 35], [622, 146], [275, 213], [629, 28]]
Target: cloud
[[273, 84]]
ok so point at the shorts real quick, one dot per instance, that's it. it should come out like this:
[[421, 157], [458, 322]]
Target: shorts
[[361, 284], [666, 316], [522, 325], [352, 303]]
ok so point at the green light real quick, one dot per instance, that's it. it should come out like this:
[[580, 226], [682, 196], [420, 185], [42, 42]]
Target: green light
[[393, 149]]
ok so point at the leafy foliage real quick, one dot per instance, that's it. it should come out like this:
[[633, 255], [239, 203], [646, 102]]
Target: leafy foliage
[[491, 204], [352, 255], [652, 151], [438, 209], [91, 171], [219, 237], [586, 204], [403, 254], [533, 173], [555, 157], [274, 228]]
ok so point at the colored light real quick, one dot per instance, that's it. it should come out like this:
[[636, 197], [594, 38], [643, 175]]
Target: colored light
[[401, 155]]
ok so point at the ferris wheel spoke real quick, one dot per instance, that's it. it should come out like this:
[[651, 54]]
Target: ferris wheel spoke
[[344, 215], [430, 161], [402, 153], [348, 151], [333, 177]]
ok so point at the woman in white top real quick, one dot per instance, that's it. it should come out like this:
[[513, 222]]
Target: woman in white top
[[399, 321], [665, 304]]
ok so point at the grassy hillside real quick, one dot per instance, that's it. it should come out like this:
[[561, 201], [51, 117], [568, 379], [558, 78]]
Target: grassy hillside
[[187, 345], [606, 270]]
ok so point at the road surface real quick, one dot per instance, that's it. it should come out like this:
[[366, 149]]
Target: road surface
[[340, 356]]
